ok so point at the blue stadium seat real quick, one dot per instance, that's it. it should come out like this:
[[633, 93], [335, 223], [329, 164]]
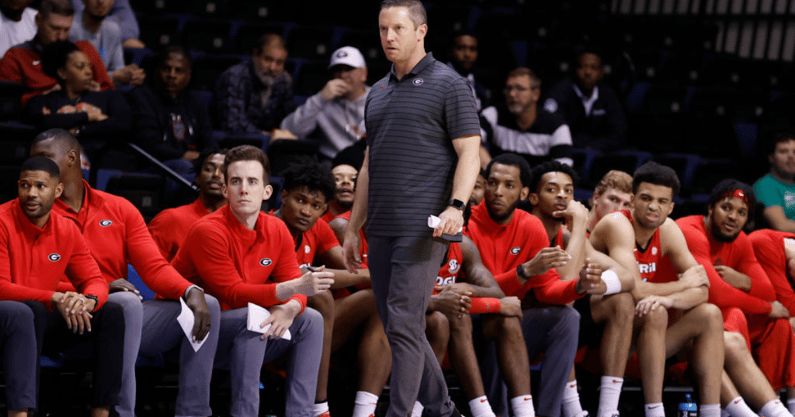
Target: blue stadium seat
[[136, 280]]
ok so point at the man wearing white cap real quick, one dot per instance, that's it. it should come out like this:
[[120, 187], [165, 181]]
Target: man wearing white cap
[[335, 115]]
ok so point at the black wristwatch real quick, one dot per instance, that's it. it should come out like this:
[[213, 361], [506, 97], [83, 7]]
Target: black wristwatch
[[458, 204]]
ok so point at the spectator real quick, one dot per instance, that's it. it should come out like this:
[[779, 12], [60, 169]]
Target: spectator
[[336, 113], [91, 25], [20, 64], [254, 96], [776, 190], [521, 127], [463, 56], [588, 106], [170, 121], [17, 23], [124, 16], [98, 119]]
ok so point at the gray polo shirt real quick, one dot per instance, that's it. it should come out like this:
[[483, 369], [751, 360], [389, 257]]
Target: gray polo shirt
[[411, 124]]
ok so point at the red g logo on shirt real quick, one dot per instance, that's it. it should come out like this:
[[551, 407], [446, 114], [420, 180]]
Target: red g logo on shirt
[[265, 261], [54, 257]]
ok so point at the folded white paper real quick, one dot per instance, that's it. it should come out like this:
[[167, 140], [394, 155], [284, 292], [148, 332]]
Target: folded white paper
[[256, 315], [434, 221], [186, 321]]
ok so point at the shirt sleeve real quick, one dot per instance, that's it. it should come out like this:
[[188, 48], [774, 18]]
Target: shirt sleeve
[[207, 248], [287, 266], [720, 292], [10, 67], [147, 260], [303, 120], [549, 288], [9, 291], [770, 253], [460, 112], [761, 287], [326, 237]]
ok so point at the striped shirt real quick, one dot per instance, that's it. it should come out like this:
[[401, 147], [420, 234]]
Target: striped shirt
[[411, 124]]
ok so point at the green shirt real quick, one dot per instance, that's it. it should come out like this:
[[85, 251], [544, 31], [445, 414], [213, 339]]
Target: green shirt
[[772, 192]]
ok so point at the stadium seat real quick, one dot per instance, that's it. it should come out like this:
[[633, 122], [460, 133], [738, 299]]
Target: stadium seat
[[207, 69], [10, 95], [207, 35], [684, 164], [144, 191], [160, 30], [311, 78], [247, 34], [365, 41], [283, 152], [311, 42]]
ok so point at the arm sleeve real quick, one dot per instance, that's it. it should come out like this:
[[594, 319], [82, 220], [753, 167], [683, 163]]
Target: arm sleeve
[[208, 250], [770, 254], [761, 287], [303, 120], [117, 54], [10, 68], [326, 237], [509, 282], [551, 290], [34, 115], [147, 260], [287, 267], [10, 291], [720, 293], [118, 122], [484, 305], [460, 113], [230, 99]]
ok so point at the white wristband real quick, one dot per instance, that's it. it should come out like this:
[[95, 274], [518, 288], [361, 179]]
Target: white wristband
[[611, 281]]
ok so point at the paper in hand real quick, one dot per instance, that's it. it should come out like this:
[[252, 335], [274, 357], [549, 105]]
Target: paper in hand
[[186, 320], [256, 315], [433, 222]]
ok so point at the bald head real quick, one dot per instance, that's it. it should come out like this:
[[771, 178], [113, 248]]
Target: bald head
[[62, 148]]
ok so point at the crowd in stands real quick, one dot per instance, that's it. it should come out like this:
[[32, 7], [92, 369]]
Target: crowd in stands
[[586, 251]]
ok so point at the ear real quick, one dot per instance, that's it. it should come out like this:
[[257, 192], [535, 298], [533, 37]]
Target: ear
[[422, 31], [524, 193], [268, 192], [283, 193], [61, 72], [58, 190], [225, 191], [533, 199], [72, 158]]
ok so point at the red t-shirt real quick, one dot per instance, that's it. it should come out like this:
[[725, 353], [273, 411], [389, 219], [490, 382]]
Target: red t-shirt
[[738, 255], [170, 226], [117, 235], [315, 241], [504, 247], [769, 249], [22, 65], [33, 260], [237, 265]]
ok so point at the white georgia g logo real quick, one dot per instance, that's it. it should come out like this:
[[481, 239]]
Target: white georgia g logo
[[265, 261], [54, 257], [105, 223], [515, 250]]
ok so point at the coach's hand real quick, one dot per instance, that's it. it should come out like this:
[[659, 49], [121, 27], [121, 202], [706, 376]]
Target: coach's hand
[[281, 318], [452, 220], [313, 283]]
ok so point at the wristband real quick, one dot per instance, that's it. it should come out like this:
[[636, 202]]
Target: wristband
[[613, 284]]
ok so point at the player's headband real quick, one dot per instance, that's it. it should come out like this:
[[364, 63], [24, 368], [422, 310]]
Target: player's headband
[[736, 193]]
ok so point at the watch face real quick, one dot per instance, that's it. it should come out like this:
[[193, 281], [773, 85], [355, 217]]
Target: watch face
[[457, 204]]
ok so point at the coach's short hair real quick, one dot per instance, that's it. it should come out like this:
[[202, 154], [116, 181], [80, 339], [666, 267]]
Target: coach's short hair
[[417, 12], [247, 153], [656, 174]]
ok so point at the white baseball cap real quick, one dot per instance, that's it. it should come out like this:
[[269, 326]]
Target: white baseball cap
[[347, 55]]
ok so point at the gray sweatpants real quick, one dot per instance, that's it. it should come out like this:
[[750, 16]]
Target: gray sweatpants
[[151, 328], [242, 352], [403, 272], [19, 354]]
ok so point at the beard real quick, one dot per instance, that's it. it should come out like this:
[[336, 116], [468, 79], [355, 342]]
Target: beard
[[499, 218], [723, 237]]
